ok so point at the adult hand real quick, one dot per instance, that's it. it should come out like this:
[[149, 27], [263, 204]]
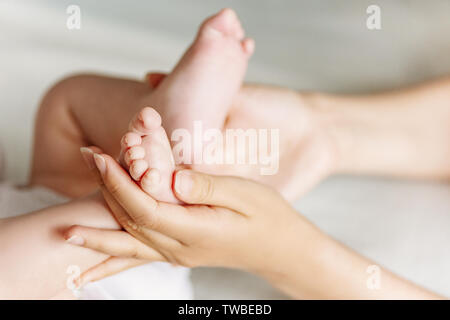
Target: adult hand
[[231, 222]]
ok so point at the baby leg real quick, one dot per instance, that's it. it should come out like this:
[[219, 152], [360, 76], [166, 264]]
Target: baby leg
[[79, 111]]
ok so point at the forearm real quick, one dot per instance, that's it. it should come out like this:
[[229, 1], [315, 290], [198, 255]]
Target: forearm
[[318, 267], [400, 133], [34, 256]]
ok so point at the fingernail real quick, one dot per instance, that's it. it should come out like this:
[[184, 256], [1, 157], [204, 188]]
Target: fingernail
[[87, 155], [183, 182], [100, 163], [76, 240]]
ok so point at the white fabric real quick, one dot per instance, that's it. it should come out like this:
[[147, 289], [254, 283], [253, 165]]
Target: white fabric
[[151, 281]]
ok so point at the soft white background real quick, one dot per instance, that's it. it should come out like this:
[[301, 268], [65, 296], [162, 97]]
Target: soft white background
[[322, 45]]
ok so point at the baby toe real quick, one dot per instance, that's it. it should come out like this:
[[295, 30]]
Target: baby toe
[[146, 120], [248, 45], [134, 153], [130, 139], [138, 168]]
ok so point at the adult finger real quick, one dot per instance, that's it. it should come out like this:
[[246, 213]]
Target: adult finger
[[137, 204], [238, 194], [141, 207], [109, 267], [88, 155], [157, 240], [111, 242]]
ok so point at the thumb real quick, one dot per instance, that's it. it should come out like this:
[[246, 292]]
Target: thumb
[[238, 194]]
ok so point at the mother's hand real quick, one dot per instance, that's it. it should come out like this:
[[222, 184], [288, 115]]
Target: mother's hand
[[229, 221], [233, 223]]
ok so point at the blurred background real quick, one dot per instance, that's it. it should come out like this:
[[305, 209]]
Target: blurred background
[[307, 45]]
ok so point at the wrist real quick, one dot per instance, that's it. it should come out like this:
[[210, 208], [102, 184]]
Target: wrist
[[293, 266], [336, 124]]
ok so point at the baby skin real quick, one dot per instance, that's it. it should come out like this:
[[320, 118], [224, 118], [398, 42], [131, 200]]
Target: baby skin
[[85, 110], [203, 85]]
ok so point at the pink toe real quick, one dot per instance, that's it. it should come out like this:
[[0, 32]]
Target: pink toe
[[150, 117], [138, 168], [145, 121], [131, 139], [134, 153], [248, 45]]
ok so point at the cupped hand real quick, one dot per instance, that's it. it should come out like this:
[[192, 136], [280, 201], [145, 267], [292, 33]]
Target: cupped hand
[[228, 221]]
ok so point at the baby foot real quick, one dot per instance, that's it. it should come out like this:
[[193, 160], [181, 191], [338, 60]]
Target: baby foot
[[208, 76], [201, 87], [146, 153]]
